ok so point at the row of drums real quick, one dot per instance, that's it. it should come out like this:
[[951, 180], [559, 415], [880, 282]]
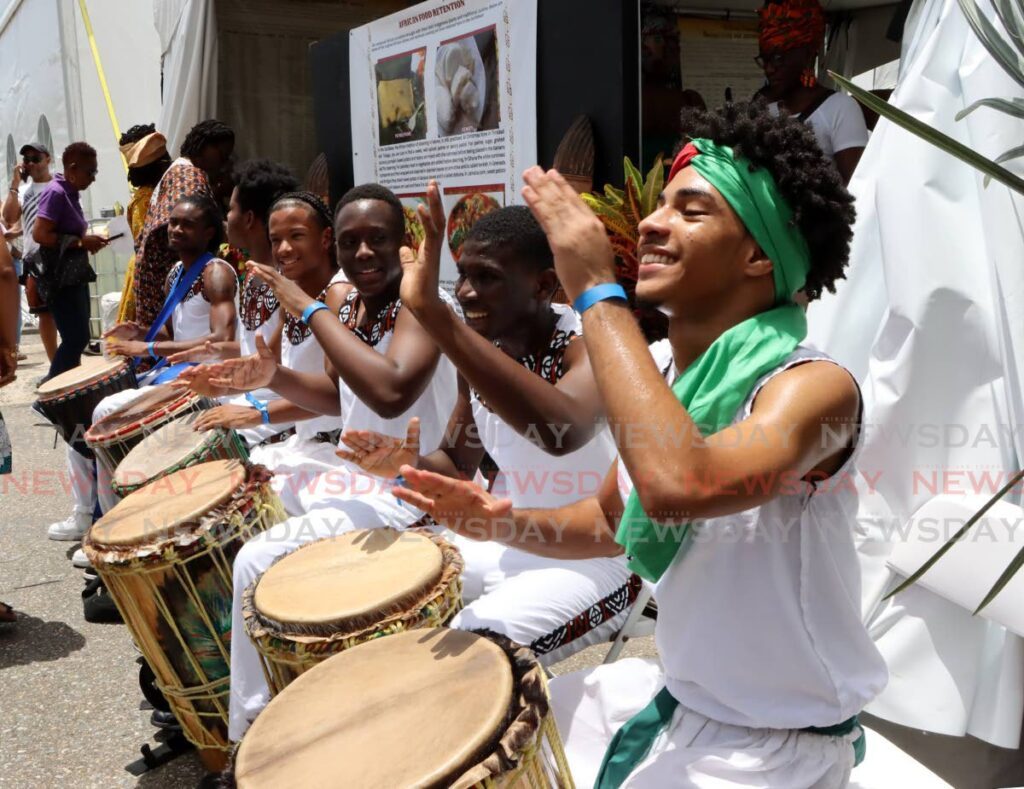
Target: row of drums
[[370, 689]]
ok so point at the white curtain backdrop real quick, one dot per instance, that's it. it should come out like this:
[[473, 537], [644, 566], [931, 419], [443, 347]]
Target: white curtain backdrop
[[188, 44], [931, 322]]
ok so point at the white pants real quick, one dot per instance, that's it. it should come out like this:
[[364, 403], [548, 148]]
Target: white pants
[[533, 599], [300, 466], [693, 751], [249, 691]]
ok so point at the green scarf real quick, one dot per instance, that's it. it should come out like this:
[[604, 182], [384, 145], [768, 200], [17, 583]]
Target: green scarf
[[713, 388]]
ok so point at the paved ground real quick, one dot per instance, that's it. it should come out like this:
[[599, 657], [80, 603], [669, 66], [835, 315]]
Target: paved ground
[[69, 698]]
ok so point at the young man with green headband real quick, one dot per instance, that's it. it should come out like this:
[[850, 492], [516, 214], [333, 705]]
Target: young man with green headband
[[734, 441]]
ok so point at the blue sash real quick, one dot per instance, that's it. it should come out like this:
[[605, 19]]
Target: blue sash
[[180, 286]]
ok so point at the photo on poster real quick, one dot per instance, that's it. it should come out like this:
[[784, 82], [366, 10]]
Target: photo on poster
[[464, 205], [413, 226], [466, 90], [401, 101]]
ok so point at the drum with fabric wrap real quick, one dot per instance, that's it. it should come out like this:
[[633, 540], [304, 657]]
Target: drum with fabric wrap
[[165, 553], [175, 446], [433, 707], [329, 595], [69, 399], [114, 436]]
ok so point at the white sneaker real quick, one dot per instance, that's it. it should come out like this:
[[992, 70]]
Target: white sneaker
[[80, 560], [72, 528]]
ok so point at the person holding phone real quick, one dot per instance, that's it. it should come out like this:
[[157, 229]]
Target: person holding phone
[[21, 202], [61, 231]]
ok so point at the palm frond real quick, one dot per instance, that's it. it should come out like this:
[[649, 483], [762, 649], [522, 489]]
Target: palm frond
[[1013, 153], [1004, 579], [1013, 107], [933, 136], [1012, 62], [1012, 17]]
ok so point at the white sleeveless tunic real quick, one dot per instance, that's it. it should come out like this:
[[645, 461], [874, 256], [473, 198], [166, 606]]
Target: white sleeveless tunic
[[528, 475], [191, 318], [759, 619]]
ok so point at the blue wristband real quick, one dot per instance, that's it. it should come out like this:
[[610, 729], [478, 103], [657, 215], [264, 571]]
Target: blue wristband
[[313, 308], [590, 297], [151, 348], [260, 406]]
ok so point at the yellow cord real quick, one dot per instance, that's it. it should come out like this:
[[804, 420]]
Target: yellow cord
[[102, 76]]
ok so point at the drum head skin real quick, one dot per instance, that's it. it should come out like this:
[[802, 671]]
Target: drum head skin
[[151, 514], [162, 449], [92, 368], [413, 709], [348, 576], [153, 398]]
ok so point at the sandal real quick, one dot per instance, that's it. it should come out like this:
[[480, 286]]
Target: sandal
[[7, 614]]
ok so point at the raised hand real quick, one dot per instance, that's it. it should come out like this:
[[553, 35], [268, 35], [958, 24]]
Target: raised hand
[[245, 373], [293, 298], [583, 253], [376, 453], [198, 380], [464, 507], [227, 416], [421, 269], [129, 330]]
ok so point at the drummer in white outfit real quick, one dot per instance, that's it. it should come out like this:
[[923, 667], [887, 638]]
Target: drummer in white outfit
[[528, 399], [765, 660], [302, 242], [207, 313], [382, 369], [258, 183]]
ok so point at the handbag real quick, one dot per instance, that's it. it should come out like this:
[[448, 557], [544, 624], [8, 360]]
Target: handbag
[[63, 267]]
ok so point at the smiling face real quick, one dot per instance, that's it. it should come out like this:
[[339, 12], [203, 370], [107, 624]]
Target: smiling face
[[693, 249], [299, 242], [369, 236], [188, 232], [498, 291]]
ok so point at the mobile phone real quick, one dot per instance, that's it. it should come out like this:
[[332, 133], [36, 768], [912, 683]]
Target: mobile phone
[[111, 238]]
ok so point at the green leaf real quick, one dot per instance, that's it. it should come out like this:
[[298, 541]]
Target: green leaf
[[633, 174], [1012, 18], [933, 136], [653, 185], [1004, 579], [1013, 107], [1017, 477], [615, 196], [1013, 153], [1010, 61]]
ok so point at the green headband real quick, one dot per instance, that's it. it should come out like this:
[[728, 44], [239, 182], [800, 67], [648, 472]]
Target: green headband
[[755, 198]]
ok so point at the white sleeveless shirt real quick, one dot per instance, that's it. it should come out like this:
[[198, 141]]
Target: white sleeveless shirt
[[529, 476], [191, 318], [301, 352], [433, 406], [259, 315], [759, 619]]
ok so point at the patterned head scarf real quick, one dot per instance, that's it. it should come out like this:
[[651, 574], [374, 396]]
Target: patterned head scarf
[[790, 24]]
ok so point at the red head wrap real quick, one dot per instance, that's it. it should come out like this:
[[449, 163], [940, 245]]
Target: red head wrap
[[790, 24]]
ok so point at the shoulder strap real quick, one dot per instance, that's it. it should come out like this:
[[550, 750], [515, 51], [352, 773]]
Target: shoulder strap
[[182, 284]]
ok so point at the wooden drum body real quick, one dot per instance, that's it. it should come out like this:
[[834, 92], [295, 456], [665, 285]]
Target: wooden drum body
[[335, 593], [165, 553], [69, 399], [173, 447], [115, 435], [423, 708]]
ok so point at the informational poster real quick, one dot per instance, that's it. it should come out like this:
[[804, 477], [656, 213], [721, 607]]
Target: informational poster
[[447, 90], [716, 54]]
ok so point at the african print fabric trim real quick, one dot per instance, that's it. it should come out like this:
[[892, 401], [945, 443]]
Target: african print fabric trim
[[257, 304], [383, 322], [600, 612], [294, 329]]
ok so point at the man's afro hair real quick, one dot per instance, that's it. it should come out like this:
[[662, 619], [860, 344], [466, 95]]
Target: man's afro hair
[[806, 178], [259, 183], [514, 228]]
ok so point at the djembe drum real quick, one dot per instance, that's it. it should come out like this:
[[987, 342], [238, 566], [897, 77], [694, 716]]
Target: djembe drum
[[175, 446], [422, 708], [116, 434], [165, 553], [329, 595], [69, 399]]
